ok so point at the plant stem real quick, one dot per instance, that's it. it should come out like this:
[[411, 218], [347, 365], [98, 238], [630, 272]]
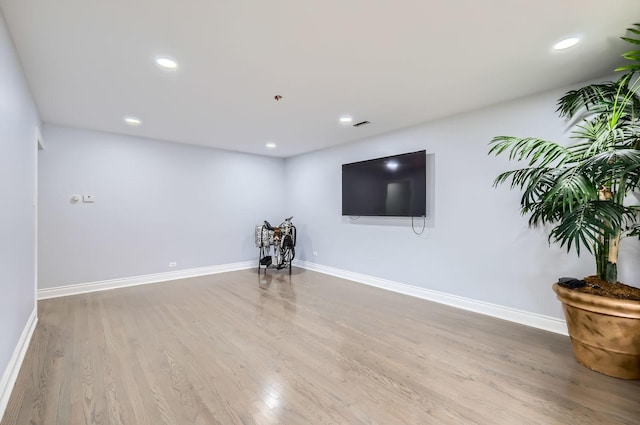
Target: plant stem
[[602, 256], [611, 261]]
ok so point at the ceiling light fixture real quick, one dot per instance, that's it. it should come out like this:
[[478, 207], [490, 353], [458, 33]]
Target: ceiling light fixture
[[392, 165], [166, 62], [345, 120], [271, 145], [132, 121], [566, 43]]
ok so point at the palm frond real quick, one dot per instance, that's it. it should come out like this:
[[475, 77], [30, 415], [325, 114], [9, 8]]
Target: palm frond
[[631, 40], [587, 224], [593, 97], [633, 55], [535, 151], [615, 161], [634, 230], [541, 213], [521, 177], [596, 132], [579, 150], [606, 99], [600, 137], [571, 189], [537, 188]]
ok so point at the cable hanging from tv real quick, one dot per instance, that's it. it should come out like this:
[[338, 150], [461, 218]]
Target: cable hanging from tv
[[424, 225]]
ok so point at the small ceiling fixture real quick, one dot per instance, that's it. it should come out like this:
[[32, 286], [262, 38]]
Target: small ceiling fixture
[[392, 165], [566, 43], [271, 145], [132, 121], [345, 120], [166, 62]]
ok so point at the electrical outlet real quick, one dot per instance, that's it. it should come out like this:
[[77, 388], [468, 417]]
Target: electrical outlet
[[173, 264], [315, 253]]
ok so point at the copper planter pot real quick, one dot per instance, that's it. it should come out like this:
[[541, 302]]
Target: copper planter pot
[[605, 332]]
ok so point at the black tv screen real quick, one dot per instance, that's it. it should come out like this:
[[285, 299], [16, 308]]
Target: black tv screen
[[390, 186]]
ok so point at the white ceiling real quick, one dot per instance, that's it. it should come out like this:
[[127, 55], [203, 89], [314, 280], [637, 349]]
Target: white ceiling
[[393, 63]]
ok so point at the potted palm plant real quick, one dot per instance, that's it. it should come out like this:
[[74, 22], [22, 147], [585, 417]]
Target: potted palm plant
[[584, 193]]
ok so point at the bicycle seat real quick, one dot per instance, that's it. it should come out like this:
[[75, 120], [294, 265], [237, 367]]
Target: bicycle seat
[[268, 225]]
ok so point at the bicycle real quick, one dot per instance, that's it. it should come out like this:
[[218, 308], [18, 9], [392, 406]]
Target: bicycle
[[283, 241]]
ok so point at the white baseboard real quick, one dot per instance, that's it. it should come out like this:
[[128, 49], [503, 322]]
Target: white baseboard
[[539, 321], [103, 285], [11, 372]]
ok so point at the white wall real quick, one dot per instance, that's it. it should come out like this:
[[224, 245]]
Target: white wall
[[158, 202], [155, 202], [18, 123], [476, 244]]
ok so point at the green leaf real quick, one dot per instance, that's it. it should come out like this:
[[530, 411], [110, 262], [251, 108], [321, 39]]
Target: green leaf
[[628, 68], [632, 54], [633, 30], [631, 40]]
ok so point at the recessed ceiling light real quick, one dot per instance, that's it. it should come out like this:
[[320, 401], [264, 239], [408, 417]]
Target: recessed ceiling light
[[271, 145], [345, 120], [566, 43], [166, 62], [133, 121]]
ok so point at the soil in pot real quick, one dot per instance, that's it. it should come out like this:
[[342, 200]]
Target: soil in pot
[[597, 286]]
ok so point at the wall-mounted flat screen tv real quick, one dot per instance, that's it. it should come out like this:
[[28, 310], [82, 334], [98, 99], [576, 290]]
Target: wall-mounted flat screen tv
[[390, 186]]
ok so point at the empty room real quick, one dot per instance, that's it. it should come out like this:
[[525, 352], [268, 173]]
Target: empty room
[[319, 212]]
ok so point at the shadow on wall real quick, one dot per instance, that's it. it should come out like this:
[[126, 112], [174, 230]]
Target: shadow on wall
[[629, 266], [304, 245]]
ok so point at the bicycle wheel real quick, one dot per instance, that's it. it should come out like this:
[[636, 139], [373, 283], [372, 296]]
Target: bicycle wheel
[[289, 254]]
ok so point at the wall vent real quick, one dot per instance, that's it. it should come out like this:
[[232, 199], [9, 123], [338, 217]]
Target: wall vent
[[361, 123]]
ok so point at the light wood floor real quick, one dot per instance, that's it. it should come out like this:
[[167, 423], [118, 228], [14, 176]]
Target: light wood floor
[[236, 348]]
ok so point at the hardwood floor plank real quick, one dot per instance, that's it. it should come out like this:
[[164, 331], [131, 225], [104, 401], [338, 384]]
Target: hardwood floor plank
[[243, 348]]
